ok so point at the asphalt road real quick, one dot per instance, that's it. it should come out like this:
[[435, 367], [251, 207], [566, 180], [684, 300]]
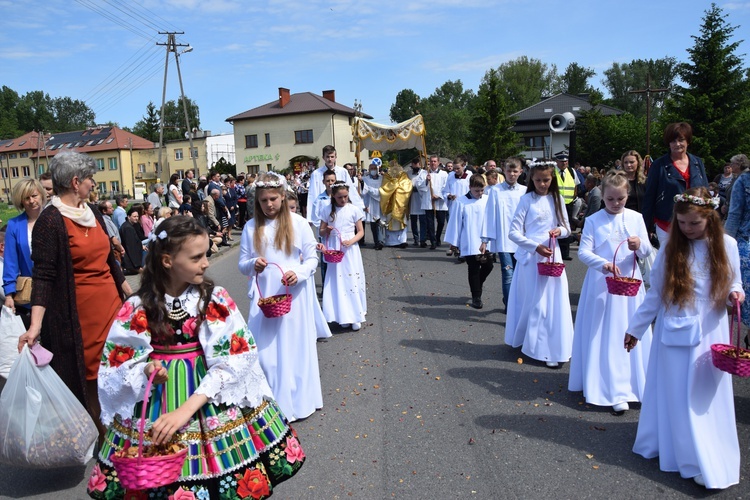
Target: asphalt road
[[426, 401]]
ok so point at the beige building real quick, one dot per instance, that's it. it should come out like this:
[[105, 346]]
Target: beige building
[[123, 159], [177, 157], [296, 125]]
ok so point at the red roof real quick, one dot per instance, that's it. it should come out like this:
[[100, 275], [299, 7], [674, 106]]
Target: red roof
[[90, 140], [300, 103]]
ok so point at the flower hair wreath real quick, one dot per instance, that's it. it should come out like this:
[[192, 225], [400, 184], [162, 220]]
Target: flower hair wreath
[[544, 163], [268, 184], [696, 200], [339, 184]]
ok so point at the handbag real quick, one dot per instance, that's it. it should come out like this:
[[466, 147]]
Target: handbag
[[23, 290]]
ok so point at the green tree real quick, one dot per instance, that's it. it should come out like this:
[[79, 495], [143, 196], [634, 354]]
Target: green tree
[[600, 140], [406, 106], [447, 114], [492, 137], [575, 80], [148, 126], [527, 81], [70, 114], [224, 167], [34, 112], [174, 119], [9, 100], [620, 79], [716, 99]]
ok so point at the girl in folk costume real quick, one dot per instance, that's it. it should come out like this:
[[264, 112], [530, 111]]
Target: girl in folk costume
[[463, 233], [344, 294], [539, 316], [687, 417], [276, 238], [209, 392], [599, 366]]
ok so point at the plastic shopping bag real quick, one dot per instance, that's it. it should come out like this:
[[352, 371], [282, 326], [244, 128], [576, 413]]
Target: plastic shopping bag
[[42, 424], [11, 327]]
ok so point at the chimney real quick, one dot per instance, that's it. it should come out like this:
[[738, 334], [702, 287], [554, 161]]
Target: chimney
[[283, 97], [330, 95]]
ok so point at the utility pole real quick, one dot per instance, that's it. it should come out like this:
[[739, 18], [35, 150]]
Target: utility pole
[[171, 46], [648, 90]]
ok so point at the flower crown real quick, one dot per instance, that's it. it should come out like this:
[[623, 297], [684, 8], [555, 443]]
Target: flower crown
[[696, 200], [542, 163], [339, 184], [268, 184]]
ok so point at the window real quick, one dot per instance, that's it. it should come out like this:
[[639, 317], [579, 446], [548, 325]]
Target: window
[[178, 154], [268, 140], [13, 156], [538, 143], [194, 153], [99, 164], [14, 171], [303, 136], [251, 141], [26, 171], [2, 157], [269, 167], [4, 173], [253, 169], [102, 188], [115, 187], [40, 170], [142, 167], [112, 163], [25, 154]]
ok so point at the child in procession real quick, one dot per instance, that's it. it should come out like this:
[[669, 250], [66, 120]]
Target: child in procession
[[687, 416], [344, 294], [599, 366], [463, 233], [209, 393], [277, 252], [539, 316]]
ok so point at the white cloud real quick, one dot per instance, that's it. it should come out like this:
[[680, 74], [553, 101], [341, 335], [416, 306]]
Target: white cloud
[[737, 5], [473, 65]]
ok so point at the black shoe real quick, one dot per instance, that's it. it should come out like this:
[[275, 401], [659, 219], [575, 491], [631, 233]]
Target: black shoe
[[379, 246], [432, 247], [567, 257], [461, 260], [423, 244], [403, 245], [476, 303], [416, 243]]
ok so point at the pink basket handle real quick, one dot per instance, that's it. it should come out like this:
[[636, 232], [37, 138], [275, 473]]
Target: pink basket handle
[[552, 246], [735, 314], [286, 285], [341, 243], [614, 261], [142, 422]]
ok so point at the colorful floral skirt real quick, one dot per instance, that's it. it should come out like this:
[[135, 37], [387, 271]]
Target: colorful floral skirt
[[233, 452]]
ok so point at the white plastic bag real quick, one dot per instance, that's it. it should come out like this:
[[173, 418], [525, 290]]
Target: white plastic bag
[[42, 424], [11, 327]]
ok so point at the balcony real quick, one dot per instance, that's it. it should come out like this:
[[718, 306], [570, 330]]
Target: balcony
[[145, 176]]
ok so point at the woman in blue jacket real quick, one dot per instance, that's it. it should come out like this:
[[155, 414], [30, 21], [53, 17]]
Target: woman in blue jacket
[[668, 176], [29, 197]]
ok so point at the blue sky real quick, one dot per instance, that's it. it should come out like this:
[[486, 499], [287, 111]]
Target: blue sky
[[245, 50]]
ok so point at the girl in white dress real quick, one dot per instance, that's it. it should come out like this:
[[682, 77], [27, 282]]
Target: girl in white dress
[[539, 316], [463, 234], [344, 294], [286, 344], [687, 417], [599, 366]]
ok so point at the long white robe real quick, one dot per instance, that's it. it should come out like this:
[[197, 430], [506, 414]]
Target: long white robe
[[457, 187], [287, 344], [539, 316], [344, 293], [502, 201], [371, 197], [687, 417], [437, 184], [600, 367], [421, 190], [465, 224], [316, 186]]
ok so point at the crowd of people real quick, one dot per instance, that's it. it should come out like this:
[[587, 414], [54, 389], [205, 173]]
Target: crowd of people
[[227, 389]]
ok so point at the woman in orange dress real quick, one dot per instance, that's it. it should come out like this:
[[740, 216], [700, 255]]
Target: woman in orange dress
[[77, 285]]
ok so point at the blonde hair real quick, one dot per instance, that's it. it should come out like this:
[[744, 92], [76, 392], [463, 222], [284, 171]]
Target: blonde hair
[[25, 188], [284, 239], [165, 212], [616, 179], [640, 175]]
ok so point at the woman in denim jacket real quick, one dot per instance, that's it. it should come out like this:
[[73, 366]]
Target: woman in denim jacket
[[738, 227], [668, 176]]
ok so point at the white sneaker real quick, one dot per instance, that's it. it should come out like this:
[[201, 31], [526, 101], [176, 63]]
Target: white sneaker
[[621, 407], [345, 325], [699, 480], [356, 326], [552, 364]]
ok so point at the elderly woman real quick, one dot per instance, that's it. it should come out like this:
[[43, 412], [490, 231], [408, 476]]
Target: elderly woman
[[668, 176], [738, 227], [29, 197], [78, 286]]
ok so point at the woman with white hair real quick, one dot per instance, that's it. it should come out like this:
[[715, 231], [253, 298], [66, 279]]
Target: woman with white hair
[[78, 285]]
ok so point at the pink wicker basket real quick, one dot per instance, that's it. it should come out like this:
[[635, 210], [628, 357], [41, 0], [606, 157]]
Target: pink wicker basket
[[550, 267], [732, 358], [276, 305], [142, 473], [333, 256], [619, 285]]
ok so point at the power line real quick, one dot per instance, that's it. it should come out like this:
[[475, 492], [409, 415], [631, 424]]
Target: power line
[[134, 86], [101, 86], [120, 22], [125, 76], [137, 17]]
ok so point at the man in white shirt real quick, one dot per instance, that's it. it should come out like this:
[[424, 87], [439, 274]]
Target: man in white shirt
[[436, 180], [316, 178], [371, 197], [420, 191]]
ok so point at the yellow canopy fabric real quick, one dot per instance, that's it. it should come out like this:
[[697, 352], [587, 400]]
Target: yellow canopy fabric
[[394, 199], [405, 135]]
